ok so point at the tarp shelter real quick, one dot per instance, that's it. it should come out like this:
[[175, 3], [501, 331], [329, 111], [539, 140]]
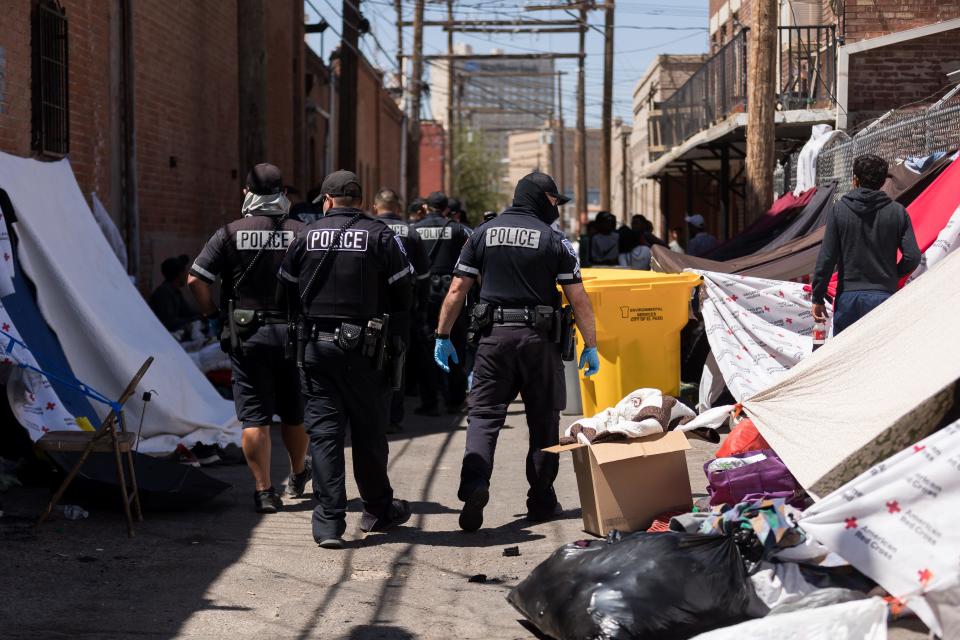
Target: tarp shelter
[[103, 323], [813, 216], [904, 185], [881, 385], [766, 228], [795, 259]]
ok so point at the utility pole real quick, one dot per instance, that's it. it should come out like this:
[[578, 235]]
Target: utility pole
[[624, 173], [606, 131], [580, 142], [398, 6], [761, 101], [448, 178], [347, 147], [562, 174], [413, 119]]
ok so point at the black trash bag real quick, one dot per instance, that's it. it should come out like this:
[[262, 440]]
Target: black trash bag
[[647, 585]]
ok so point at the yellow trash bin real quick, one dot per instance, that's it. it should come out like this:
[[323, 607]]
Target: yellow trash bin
[[639, 318]]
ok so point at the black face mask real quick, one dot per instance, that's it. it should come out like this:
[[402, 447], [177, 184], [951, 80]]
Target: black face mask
[[530, 197]]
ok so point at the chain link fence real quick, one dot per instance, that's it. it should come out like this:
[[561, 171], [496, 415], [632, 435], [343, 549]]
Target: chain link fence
[[894, 137]]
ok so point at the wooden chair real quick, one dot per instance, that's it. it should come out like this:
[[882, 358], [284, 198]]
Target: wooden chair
[[108, 438]]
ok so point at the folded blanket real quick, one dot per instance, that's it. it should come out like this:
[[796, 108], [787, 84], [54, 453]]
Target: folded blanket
[[643, 412]]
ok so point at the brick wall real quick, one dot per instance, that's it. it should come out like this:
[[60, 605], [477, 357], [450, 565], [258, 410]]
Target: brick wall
[[15, 78], [187, 126], [431, 157], [895, 75], [872, 18]]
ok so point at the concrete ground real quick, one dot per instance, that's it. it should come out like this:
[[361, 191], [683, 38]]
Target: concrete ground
[[227, 572]]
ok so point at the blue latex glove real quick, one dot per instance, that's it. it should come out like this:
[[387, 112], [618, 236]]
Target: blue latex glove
[[591, 359], [443, 352]]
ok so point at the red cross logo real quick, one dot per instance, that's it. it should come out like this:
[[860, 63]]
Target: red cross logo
[[51, 406], [893, 506], [781, 294], [733, 298], [789, 320], [6, 257], [917, 448], [45, 430], [851, 523], [6, 327], [925, 577], [766, 308]]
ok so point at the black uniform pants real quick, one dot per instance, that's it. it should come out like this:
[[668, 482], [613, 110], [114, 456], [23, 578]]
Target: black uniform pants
[[433, 380], [342, 388], [515, 360]]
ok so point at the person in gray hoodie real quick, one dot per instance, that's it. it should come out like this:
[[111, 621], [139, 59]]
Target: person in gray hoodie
[[864, 232]]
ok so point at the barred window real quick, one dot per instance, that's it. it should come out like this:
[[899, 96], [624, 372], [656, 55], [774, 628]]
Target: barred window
[[51, 115]]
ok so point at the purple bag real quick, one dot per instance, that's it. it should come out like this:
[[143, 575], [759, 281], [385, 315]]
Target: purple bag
[[766, 478]]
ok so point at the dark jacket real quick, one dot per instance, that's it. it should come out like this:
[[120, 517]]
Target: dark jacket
[[864, 232]]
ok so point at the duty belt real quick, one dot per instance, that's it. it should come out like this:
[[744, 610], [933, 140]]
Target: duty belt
[[272, 317], [540, 317], [344, 332]]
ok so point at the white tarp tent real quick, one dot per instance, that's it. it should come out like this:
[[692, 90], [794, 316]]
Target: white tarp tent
[[878, 387], [103, 323]]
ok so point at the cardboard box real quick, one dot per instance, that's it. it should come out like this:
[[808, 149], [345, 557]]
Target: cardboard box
[[625, 485]]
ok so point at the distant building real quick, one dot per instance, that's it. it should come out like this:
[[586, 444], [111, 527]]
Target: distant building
[[540, 150], [495, 97], [431, 157]]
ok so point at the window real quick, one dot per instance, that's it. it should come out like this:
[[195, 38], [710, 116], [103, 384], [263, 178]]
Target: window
[[51, 116]]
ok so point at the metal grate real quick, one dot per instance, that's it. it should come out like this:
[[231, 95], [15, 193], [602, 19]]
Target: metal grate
[[51, 115], [897, 136]]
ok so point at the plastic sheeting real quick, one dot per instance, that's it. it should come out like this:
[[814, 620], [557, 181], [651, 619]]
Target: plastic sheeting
[[945, 244], [109, 229], [765, 229], [106, 328], [882, 384], [757, 329], [898, 523], [813, 216], [857, 620]]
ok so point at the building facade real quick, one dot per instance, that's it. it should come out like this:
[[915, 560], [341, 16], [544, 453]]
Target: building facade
[[150, 103]]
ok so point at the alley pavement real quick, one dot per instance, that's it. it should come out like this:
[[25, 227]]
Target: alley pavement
[[224, 571]]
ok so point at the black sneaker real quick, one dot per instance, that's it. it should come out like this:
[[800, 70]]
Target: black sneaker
[[399, 513], [471, 517], [267, 501], [394, 428], [331, 543], [297, 482], [206, 454], [544, 514]]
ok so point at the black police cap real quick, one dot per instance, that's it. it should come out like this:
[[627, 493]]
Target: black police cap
[[547, 185], [341, 184], [454, 205], [437, 200], [265, 179]]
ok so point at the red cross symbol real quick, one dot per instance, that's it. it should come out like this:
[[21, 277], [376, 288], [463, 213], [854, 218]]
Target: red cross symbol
[[893, 506], [925, 576], [44, 429], [6, 327], [781, 294], [733, 298], [51, 406], [6, 257], [851, 523], [766, 308], [739, 358], [917, 448], [789, 320]]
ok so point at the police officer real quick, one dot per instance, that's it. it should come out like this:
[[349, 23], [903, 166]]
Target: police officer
[[520, 260], [386, 207], [443, 238], [347, 270], [245, 255]]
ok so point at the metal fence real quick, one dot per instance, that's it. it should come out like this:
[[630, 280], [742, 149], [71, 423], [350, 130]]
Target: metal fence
[[894, 137]]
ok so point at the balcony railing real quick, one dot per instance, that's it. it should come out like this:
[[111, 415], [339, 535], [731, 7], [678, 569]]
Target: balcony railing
[[714, 91], [806, 79]]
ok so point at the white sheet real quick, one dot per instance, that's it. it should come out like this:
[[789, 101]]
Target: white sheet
[[103, 323], [109, 229], [757, 329], [898, 523], [880, 385]]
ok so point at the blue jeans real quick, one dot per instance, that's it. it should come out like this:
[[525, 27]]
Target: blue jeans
[[853, 305]]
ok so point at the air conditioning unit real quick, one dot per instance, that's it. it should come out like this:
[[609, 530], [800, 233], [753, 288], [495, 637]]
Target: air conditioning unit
[[801, 13]]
